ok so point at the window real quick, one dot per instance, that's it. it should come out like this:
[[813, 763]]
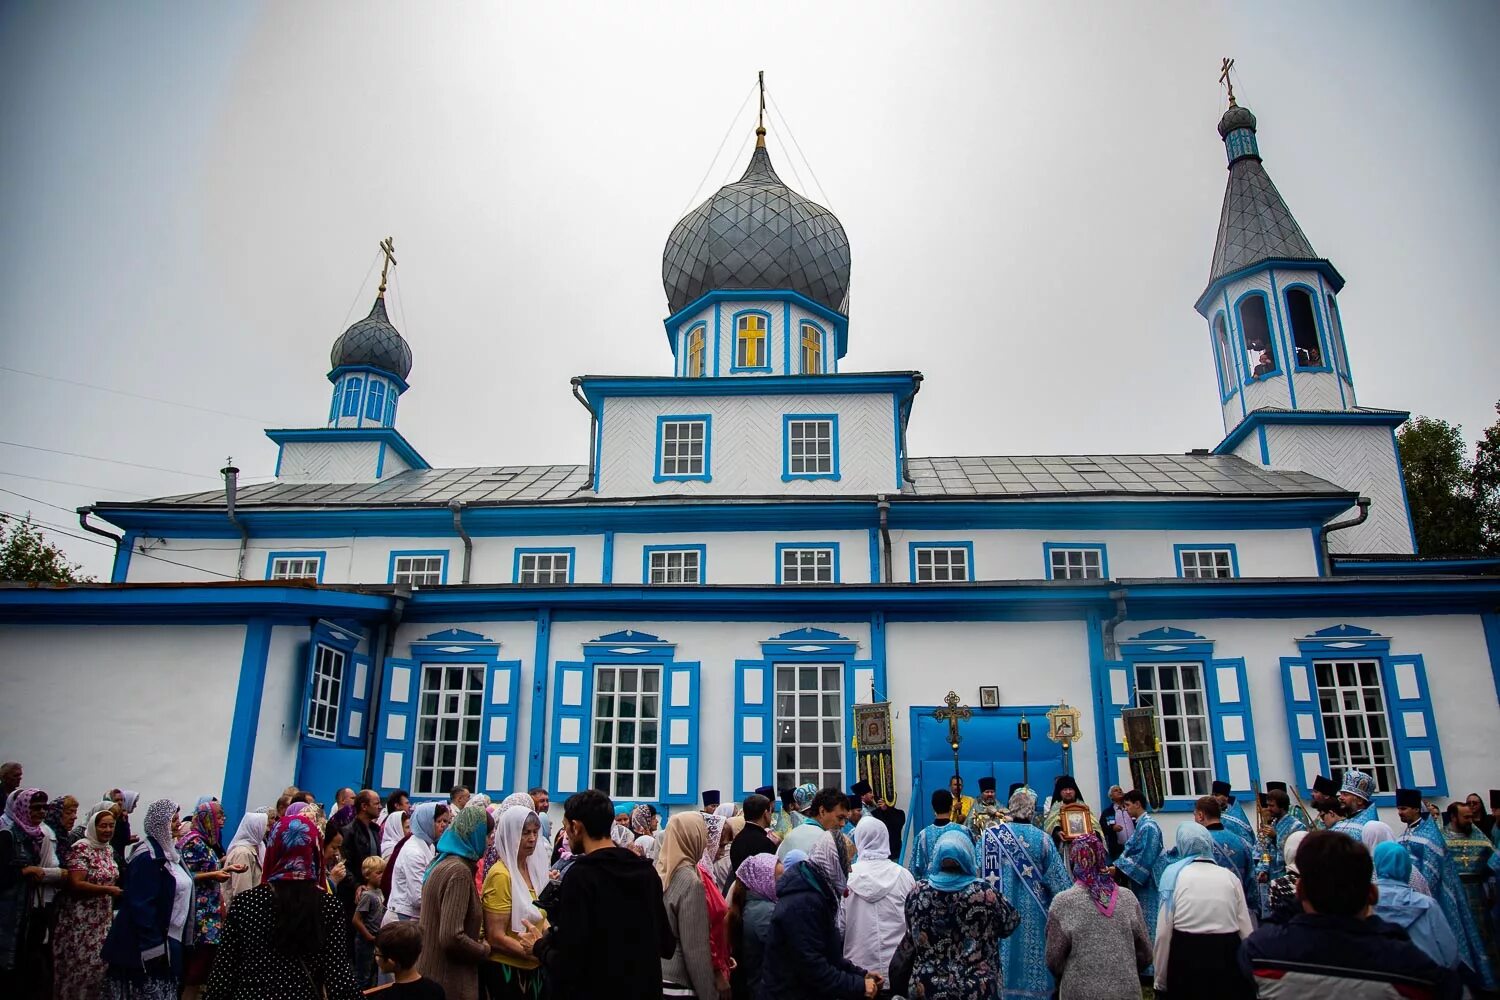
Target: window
[[375, 401], [750, 340], [627, 714], [390, 408], [810, 447], [807, 564], [326, 686], [1207, 562], [695, 352], [1336, 337], [674, 565], [1304, 320], [1175, 690], [682, 448], [419, 569], [1255, 331], [296, 567], [1075, 562], [812, 349], [809, 725], [448, 719], [1352, 703], [942, 563], [1228, 377], [351, 397], [544, 566]]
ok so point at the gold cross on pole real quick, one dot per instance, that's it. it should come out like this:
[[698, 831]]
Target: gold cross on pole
[[388, 248], [952, 715], [1224, 78], [760, 118]]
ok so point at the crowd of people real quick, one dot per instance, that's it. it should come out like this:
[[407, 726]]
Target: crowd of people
[[800, 895]]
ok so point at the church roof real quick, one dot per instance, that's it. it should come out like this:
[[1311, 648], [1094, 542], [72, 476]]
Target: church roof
[[1255, 223]]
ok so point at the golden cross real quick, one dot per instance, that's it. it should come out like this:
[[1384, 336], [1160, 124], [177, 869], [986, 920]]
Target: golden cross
[[1224, 78], [388, 248], [760, 118], [952, 714]]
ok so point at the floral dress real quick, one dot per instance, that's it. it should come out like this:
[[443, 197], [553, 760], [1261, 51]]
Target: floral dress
[[198, 855], [957, 937], [82, 923]]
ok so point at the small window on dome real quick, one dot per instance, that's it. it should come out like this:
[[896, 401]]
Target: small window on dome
[[812, 350], [390, 408], [1255, 331], [1228, 377], [1304, 320], [750, 341], [695, 352], [375, 401], [351, 396]]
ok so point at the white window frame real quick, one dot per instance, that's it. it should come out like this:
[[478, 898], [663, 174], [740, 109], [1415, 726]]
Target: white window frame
[[688, 457], [1088, 558], [1181, 730], [325, 692], [1343, 749], [635, 777], [936, 563], [558, 569], [826, 748], [792, 561], [688, 566], [286, 567], [456, 692], [818, 433], [405, 570], [1220, 563]]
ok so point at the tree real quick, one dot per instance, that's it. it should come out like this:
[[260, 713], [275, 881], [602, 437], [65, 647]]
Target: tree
[[1455, 501], [27, 557]]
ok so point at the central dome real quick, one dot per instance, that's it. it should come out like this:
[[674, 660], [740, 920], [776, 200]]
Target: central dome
[[758, 234], [373, 341]]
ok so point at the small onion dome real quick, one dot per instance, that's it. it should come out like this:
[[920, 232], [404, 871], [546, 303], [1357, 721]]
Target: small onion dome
[[373, 342], [1235, 117], [757, 233]]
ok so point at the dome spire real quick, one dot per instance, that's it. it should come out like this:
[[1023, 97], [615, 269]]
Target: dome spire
[[388, 248], [760, 119]]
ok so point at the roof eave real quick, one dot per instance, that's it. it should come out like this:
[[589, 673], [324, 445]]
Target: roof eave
[[1320, 264]]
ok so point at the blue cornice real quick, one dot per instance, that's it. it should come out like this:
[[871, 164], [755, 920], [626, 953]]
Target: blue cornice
[[1452, 566], [184, 604], [597, 388], [388, 436], [837, 320], [1321, 265], [343, 370], [1355, 597], [1266, 418]]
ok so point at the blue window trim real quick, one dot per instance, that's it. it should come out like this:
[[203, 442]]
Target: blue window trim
[[336, 401], [707, 420], [390, 576], [822, 346], [1228, 385], [687, 338], [271, 558], [352, 386], [646, 551], [347, 642], [1049, 547], [454, 645], [1239, 356], [783, 546], [787, 475], [1234, 554], [1279, 369], [1318, 329], [734, 339], [375, 401], [571, 550], [911, 554]]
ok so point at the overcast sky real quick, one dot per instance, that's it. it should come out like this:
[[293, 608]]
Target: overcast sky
[[192, 194]]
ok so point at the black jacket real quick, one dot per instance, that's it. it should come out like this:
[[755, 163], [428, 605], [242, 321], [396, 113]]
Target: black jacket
[[895, 822], [1314, 954], [751, 840], [804, 956], [608, 932]]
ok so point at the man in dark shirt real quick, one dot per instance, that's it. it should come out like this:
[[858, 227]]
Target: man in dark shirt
[[893, 818], [608, 931], [753, 839], [361, 840]]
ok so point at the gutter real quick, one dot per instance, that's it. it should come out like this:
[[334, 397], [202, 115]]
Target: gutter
[[457, 506], [883, 506], [916, 387], [593, 423], [231, 488], [383, 649], [1111, 647], [83, 522], [1363, 503]]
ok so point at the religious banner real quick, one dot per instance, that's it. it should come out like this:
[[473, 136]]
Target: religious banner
[[1144, 749], [874, 746]]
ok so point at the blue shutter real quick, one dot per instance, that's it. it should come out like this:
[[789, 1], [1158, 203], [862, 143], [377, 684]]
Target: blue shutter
[[497, 732], [679, 739], [396, 733], [754, 691], [1234, 727], [1419, 758], [1304, 722], [355, 717], [1115, 690], [572, 707]]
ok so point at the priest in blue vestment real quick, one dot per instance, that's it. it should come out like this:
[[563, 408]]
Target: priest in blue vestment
[[1428, 847], [926, 841], [1356, 796], [1141, 860], [1230, 850], [1270, 861], [1019, 859], [1232, 816]]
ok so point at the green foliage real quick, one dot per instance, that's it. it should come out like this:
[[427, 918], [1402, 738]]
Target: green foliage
[[27, 557], [1455, 500]]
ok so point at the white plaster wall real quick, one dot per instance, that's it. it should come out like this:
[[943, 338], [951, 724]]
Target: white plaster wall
[[744, 557], [191, 560], [90, 707], [1360, 458], [278, 737], [329, 461]]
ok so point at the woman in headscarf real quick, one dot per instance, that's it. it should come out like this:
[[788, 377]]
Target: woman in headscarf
[[203, 854], [84, 914], [875, 909], [1283, 890], [392, 830], [752, 904], [452, 920], [144, 946], [957, 921], [689, 972], [1417, 914], [723, 868], [647, 848], [62, 813], [1202, 921], [1375, 833], [23, 955], [804, 955], [246, 849], [644, 820], [410, 860], [715, 827], [285, 937], [512, 920], [1096, 933]]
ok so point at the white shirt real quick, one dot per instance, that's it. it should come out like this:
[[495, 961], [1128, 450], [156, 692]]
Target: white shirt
[[52, 871], [182, 900], [406, 881], [1208, 900]]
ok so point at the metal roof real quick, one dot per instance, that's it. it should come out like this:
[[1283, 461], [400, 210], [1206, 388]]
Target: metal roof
[[1255, 223]]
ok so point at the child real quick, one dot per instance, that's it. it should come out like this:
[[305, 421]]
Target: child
[[369, 911], [397, 948]]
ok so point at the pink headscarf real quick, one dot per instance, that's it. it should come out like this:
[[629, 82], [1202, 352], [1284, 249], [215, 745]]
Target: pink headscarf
[[18, 811]]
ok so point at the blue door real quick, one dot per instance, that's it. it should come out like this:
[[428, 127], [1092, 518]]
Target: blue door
[[988, 748]]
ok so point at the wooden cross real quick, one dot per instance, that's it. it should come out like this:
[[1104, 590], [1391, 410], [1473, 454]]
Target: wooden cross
[[1224, 78], [951, 715], [388, 248]]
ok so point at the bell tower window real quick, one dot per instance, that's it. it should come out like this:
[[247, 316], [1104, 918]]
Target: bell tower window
[[695, 352], [351, 397], [750, 340], [1337, 347], [1228, 377], [375, 401], [1304, 320], [812, 350], [1255, 332]]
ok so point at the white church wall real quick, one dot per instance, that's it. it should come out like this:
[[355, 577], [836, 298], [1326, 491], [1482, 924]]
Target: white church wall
[[1360, 458], [278, 738], [192, 560], [328, 461], [743, 557]]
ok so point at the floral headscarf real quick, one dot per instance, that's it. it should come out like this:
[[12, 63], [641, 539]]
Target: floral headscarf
[[621, 835], [758, 873], [1022, 805], [18, 812], [467, 837], [642, 818], [715, 828], [158, 827], [295, 853], [208, 826], [803, 795], [1089, 859]]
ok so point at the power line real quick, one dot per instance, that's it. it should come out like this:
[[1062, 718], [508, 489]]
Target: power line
[[115, 461], [44, 503], [258, 421], [65, 482], [4, 515], [717, 152], [828, 202], [358, 294]]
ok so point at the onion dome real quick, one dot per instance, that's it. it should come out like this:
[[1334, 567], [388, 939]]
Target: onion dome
[[1235, 117], [373, 342], [757, 233]]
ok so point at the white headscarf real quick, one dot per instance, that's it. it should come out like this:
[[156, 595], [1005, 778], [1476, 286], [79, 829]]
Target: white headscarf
[[128, 799], [515, 799], [391, 834], [1289, 850], [251, 833], [874, 874], [89, 833], [645, 845], [1375, 833], [508, 843], [725, 811]]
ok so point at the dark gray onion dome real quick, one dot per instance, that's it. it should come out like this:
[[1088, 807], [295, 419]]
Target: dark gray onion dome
[[373, 341], [757, 233], [1235, 117]]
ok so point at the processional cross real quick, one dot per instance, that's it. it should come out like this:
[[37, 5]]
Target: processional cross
[[1224, 78], [388, 248], [760, 118], [952, 715]]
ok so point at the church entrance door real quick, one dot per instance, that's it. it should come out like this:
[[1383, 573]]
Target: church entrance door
[[989, 749]]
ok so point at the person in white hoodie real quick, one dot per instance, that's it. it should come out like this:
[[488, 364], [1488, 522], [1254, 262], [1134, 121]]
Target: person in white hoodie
[[874, 911]]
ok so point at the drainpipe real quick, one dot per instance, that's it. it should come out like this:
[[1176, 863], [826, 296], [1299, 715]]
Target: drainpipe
[[1112, 648], [383, 648], [1363, 503], [231, 488], [884, 507], [916, 387], [83, 522], [593, 424], [457, 506]]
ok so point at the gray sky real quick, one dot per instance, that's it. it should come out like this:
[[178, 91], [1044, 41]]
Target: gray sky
[[192, 194]]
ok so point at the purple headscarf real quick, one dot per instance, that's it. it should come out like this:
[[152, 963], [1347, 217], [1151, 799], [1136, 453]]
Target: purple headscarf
[[758, 873]]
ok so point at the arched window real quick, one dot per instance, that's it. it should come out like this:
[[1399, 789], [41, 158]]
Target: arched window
[[1228, 378], [750, 341], [1255, 333], [1304, 319], [812, 349], [1336, 337], [695, 352], [351, 396], [375, 401]]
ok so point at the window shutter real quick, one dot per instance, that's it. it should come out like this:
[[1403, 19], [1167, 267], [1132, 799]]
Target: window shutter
[[355, 716], [395, 735], [754, 689], [497, 732], [1304, 722], [1234, 728], [305, 653], [1419, 758], [1116, 691], [572, 707], [679, 748]]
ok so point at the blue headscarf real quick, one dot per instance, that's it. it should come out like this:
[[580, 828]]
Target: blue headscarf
[[466, 837], [793, 857], [1193, 842], [955, 846], [1392, 863], [424, 821]]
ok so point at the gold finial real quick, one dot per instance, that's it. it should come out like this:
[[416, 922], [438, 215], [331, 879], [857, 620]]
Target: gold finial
[[1224, 79], [388, 248], [760, 120]]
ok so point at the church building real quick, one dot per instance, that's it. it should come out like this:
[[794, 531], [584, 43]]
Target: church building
[[751, 552]]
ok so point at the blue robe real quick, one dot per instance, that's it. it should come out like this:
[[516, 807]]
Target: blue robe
[[1428, 847], [1231, 852], [921, 848], [1233, 818], [1354, 826], [1270, 861], [1020, 861], [1141, 863]]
